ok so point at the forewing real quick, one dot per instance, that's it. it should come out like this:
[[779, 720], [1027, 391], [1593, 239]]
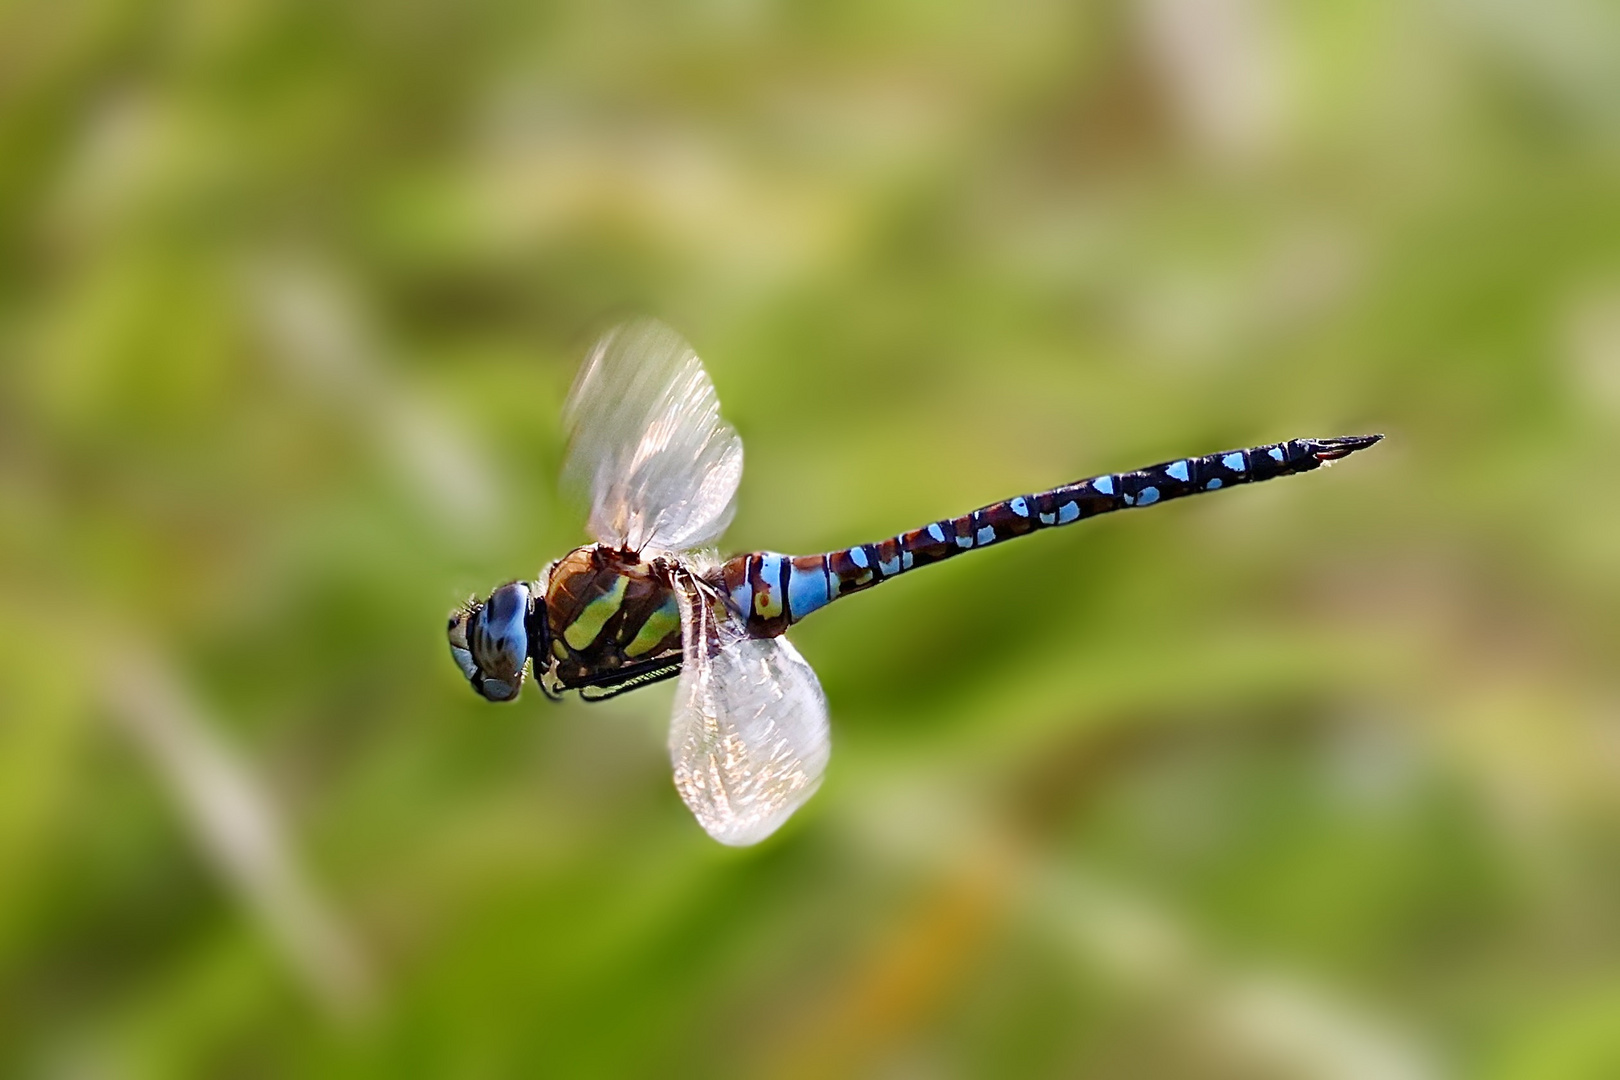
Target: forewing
[[647, 441], [749, 737]]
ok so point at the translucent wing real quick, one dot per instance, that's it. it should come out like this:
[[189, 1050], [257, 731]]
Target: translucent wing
[[646, 440], [749, 734]]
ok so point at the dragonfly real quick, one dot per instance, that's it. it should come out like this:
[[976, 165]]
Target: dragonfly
[[649, 600]]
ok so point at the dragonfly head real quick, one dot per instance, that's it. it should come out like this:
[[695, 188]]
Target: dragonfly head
[[490, 641]]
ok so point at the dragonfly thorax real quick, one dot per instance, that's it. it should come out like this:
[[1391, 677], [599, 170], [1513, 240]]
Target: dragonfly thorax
[[612, 621]]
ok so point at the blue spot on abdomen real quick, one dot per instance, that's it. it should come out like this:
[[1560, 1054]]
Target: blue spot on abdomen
[[807, 591]]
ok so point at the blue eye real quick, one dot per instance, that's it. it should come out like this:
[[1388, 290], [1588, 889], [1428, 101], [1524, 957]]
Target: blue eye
[[491, 647], [464, 661], [499, 690]]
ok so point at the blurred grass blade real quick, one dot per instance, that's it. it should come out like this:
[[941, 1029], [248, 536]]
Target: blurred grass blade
[[235, 823]]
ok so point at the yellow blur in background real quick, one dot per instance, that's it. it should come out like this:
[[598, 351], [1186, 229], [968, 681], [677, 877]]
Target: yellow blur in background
[[1319, 778]]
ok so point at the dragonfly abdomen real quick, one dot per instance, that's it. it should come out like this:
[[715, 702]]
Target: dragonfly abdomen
[[774, 591]]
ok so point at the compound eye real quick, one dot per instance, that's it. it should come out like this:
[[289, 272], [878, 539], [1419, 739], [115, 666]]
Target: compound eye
[[459, 650], [464, 661], [498, 640], [499, 689]]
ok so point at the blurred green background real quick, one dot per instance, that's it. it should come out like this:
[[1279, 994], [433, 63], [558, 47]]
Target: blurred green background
[[1312, 779]]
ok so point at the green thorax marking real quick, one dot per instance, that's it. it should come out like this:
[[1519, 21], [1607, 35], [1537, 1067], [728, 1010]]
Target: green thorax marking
[[659, 625], [583, 630]]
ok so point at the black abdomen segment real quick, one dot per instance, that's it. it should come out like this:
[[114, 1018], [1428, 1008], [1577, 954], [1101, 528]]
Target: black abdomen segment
[[774, 591]]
